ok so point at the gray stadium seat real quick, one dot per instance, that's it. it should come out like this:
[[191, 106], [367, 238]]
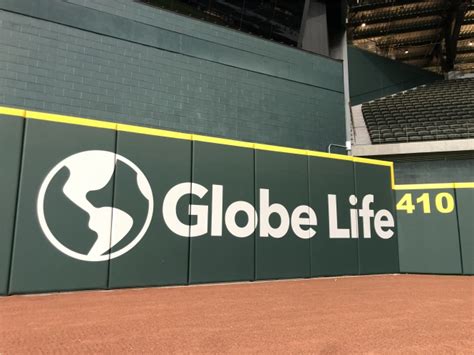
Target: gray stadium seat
[[438, 111]]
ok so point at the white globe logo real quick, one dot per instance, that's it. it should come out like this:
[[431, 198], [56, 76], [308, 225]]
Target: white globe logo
[[91, 171]]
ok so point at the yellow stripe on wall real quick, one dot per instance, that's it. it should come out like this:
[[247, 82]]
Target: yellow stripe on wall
[[223, 141], [464, 185], [448, 185], [152, 131], [70, 120], [178, 135], [7, 111]]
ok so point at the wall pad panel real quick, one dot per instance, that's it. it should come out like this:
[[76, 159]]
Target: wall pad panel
[[11, 135], [428, 231], [376, 255], [226, 251], [64, 208], [465, 208], [147, 168], [329, 255], [284, 179]]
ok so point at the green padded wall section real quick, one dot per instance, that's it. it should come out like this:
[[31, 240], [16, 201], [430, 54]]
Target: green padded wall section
[[218, 255], [375, 254], [11, 132], [102, 205], [160, 257], [372, 76], [465, 208], [428, 236], [38, 266], [286, 177], [332, 256]]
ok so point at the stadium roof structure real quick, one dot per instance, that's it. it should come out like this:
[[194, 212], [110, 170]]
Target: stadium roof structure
[[437, 34]]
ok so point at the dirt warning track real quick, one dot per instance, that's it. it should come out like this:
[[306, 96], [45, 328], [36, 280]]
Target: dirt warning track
[[395, 314]]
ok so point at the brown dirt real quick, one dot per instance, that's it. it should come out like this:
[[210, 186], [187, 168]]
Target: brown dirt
[[379, 314]]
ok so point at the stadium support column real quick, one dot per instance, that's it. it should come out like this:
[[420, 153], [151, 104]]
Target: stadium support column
[[323, 31], [336, 18], [347, 103], [314, 29]]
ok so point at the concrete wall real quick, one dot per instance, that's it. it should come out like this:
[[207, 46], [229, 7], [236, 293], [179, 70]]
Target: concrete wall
[[128, 62], [372, 76], [314, 29], [435, 171], [429, 168]]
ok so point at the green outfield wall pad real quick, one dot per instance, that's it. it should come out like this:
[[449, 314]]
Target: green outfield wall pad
[[11, 136], [225, 250], [65, 195], [94, 205], [147, 168], [376, 254], [465, 210], [281, 181], [332, 183], [428, 231]]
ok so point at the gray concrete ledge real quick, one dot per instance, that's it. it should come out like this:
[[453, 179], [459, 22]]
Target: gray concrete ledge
[[455, 145]]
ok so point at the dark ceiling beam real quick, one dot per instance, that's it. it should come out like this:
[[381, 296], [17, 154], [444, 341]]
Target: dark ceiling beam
[[416, 41], [412, 57], [383, 18], [463, 60], [406, 57], [466, 67], [436, 68], [389, 30], [365, 6], [466, 35], [451, 32], [466, 50]]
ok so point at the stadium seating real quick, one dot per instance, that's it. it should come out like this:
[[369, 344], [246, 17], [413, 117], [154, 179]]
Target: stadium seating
[[439, 111]]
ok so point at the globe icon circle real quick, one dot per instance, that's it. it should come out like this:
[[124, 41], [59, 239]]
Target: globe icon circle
[[91, 171]]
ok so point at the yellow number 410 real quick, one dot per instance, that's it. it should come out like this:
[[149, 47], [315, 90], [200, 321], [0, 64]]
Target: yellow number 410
[[444, 203]]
